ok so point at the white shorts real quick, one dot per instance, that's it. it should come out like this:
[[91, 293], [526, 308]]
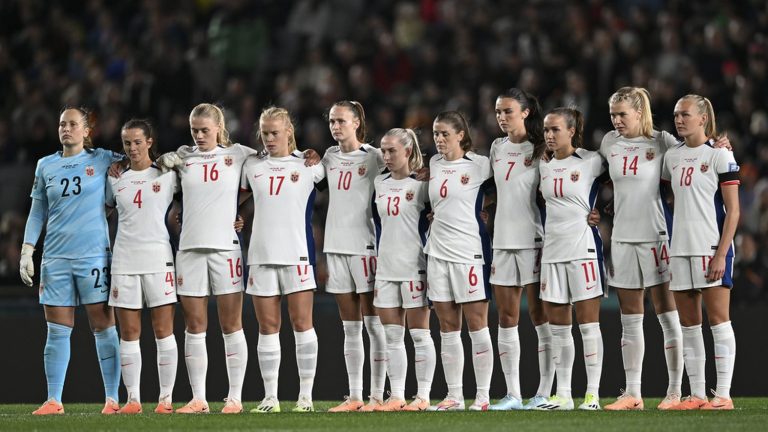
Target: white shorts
[[457, 282], [638, 265], [203, 272], [401, 294], [516, 267], [266, 280], [690, 272], [134, 291], [350, 273], [570, 282]]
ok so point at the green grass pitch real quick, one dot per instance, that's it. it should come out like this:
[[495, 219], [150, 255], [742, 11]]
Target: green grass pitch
[[751, 414]]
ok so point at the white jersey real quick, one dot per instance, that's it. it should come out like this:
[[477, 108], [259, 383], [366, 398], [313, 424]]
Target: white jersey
[[640, 214], [349, 224], [457, 233], [400, 215], [283, 199], [518, 217], [142, 199], [570, 187], [696, 174], [210, 184]]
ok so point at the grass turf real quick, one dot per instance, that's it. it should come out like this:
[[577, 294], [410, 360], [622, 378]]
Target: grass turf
[[750, 414]]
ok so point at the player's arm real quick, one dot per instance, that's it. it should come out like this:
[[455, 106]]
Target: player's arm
[[311, 157], [731, 200], [38, 214]]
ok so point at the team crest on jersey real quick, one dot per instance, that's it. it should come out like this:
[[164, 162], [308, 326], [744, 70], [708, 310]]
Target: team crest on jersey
[[528, 161], [89, 171], [704, 167], [228, 160], [114, 293], [295, 176], [465, 179], [409, 195], [156, 187], [650, 154], [575, 176], [179, 281], [361, 171]]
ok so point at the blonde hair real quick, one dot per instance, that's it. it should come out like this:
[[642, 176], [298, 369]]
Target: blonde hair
[[217, 115], [280, 113], [705, 107], [640, 100], [407, 137]]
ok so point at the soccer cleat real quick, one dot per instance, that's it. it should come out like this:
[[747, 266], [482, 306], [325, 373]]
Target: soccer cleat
[[448, 404], [690, 403], [718, 403], [591, 403], [626, 402], [232, 406], [195, 406], [304, 404], [164, 407], [556, 403], [132, 407], [348, 405], [668, 402], [371, 405], [509, 402], [391, 404], [418, 404], [536, 402], [267, 406], [480, 404], [110, 407], [50, 407]]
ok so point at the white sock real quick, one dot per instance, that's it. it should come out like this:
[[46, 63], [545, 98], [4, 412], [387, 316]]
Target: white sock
[[167, 363], [632, 351], [452, 355], [563, 353], [268, 349], [482, 361], [397, 361], [306, 360], [130, 364], [673, 349], [236, 350], [424, 360], [546, 365], [378, 355], [196, 358], [695, 359], [354, 357], [592, 340], [509, 356], [725, 355]]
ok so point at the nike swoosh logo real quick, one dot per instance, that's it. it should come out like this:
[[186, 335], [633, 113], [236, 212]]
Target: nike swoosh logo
[[107, 358], [542, 350], [502, 354], [545, 177], [614, 154], [379, 360], [498, 160], [413, 297], [591, 287], [419, 361], [231, 354], [164, 364], [168, 292], [670, 347], [189, 163], [258, 175], [591, 355], [304, 280], [126, 364], [431, 178], [482, 352], [104, 290], [381, 195], [52, 178], [331, 169], [120, 189], [473, 291], [236, 282], [675, 167]]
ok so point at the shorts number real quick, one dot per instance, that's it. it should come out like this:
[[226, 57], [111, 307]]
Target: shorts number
[[369, 263], [663, 256], [169, 278], [418, 287], [97, 274], [75, 188], [589, 271], [472, 276], [705, 263], [235, 268]]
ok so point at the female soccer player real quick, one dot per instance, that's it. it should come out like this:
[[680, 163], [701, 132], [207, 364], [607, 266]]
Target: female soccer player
[[351, 251], [572, 264], [68, 199], [459, 253], [142, 263], [401, 204], [281, 254], [517, 240], [705, 183]]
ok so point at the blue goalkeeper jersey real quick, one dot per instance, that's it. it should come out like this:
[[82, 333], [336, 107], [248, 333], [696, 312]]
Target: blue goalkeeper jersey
[[72, 190]]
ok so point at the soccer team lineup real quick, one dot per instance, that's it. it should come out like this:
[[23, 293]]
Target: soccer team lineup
[[404, 237]]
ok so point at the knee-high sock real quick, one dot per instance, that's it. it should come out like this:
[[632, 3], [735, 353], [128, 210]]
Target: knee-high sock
[[354, 357], [56, 358], [269, 352], [632, 351], [563, 353], [236, 351], [546, 364], [397, 361], [482, 361], [378, 355], [509, 356], [196, 358], [108, 350], [130, 364], [452, 355], [424, 360], [592, 339], [167, 363], [306, 360], [725, 355], [673, 349], [695, 359]]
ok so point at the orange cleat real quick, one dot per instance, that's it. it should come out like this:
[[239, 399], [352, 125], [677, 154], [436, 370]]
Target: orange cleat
[[626, 402], [232, 406], [110, 407], [132, 407], [372, 404], [690, 403], [195, 406], [418, 404], [348, 405], [50, 407], [391, 404], [719, 403], [668, 402], [164, 407]]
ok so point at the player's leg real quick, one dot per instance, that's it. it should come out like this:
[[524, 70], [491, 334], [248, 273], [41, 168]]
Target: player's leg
[[130, 357], [563, 350], [195, 310], [60, 321], [378, 350], [424, 358], [393, 320], [588, 317], [451, 353], [167, 354], [717, 300], [694, 355], [666, 312], [476, 314], [268, 314], [543, 348], [632, 347], [508, 303], [300, 311]]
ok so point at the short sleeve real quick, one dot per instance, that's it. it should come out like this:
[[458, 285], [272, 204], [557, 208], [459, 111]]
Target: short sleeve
[[667, 140], [605, 145], [666, 175], [247, 151], [726, 167], [380, 165], [244, 176], [485, 167], [318, 173]]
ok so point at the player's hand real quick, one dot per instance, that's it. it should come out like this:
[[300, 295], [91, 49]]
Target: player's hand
[[27, 266], [422, 174], [430, 216], [593, 219], [311, 157], [169, 161], [484, 216], [608, 209], [724, 142], [716, 269], [239, 223], [115, 169]]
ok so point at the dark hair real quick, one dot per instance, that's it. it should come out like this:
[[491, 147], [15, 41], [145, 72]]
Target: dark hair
[[573, 119], [359, 113], [534, 122], [146, 128], [89, 119], [459, 124]]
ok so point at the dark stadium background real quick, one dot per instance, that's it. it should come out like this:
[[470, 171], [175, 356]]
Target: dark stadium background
[[405, 61]]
